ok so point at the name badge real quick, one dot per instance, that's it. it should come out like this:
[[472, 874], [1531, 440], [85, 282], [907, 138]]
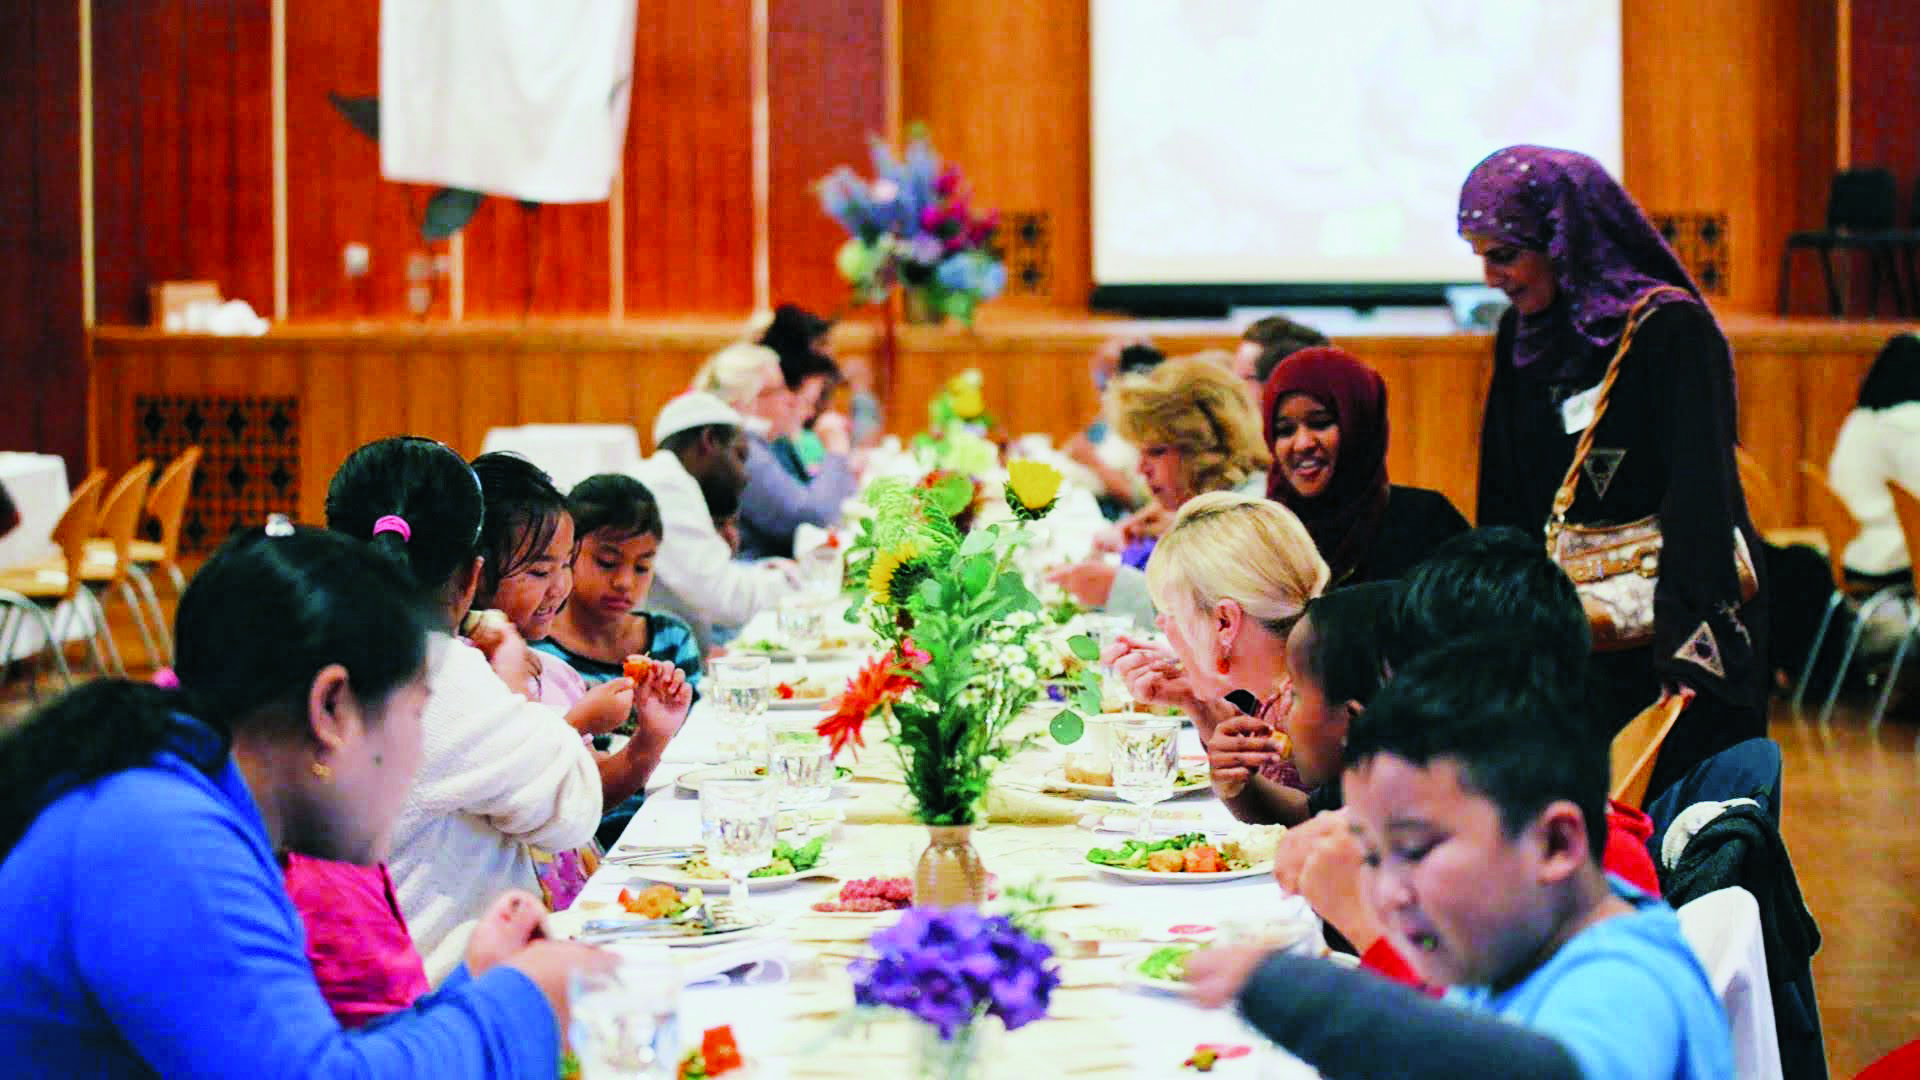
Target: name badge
[[1577, 411]]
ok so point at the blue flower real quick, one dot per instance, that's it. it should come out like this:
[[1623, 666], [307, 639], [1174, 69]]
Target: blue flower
[[949, 968]]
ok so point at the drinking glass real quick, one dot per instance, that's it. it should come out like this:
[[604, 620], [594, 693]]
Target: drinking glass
[[800, 761], [625, 1022], [741, 686], [802, 621], [1145, 759], [1106, 631], [737, 829], [823, 570]]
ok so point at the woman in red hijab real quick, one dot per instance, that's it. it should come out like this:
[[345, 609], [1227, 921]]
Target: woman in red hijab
[[1326, 421]]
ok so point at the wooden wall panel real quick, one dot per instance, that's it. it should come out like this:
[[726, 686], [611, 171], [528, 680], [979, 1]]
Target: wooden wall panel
[[1883, 95], [547, 260], [826, 92], [183, 178], [689, 161], [1003, 87], [43, 372]]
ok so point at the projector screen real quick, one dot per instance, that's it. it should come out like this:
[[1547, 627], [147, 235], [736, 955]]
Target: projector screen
[[1323, 142]]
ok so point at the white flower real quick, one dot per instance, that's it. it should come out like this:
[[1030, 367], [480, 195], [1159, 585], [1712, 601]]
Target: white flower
[[986, 653], [1013, 656], [1023, 677], [1022, 618], [1001, 634], [969, 698]]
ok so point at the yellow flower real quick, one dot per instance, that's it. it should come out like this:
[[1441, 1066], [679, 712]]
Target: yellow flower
[[886, 578], [967, 401], [1033, 485]]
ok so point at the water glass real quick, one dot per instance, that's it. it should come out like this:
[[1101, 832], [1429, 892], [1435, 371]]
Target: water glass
[[800, 761], [802, 621], [625, 1022], [737, 829], [823, 570], [1145, 760], [741, 686]]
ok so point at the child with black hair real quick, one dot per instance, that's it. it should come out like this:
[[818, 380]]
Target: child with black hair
[[1479, 790]]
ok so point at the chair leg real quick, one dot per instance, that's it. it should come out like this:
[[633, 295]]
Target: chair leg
[[1813, 654], [139, 612], [1834, 307], [179, 580], [55, 646], [145, 584], [1893, 673], [1867, 610], [67, 613], [103, 630], [10, 625]]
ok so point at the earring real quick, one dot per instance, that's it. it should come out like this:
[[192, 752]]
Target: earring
[[322, 770], [1222, 665]]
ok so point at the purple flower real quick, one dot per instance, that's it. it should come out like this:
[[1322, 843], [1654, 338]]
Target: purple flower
[[951, 967], [925, 249]]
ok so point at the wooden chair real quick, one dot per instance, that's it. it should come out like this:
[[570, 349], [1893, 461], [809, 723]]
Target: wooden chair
[[1762, 501], [111, 570], [31, 591], [168, 504], [1906, 507], [1838, 526], [1637, 746]]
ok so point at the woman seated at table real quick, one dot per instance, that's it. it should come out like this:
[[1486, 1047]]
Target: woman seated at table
[[1197, 433], [781, 494], [152, 933], [500, 774], [1326, 422], [1879, 444]]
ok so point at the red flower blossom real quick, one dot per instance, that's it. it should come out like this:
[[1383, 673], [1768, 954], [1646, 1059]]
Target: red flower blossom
[[881, 682]]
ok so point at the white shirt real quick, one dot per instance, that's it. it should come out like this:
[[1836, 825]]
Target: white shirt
[[695, 562], [498, 773], [1875, 447]]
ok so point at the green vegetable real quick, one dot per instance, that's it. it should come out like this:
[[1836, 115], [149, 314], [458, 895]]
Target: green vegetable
[[1132, 855], [1167, 962], [788, 859], [776, 868]]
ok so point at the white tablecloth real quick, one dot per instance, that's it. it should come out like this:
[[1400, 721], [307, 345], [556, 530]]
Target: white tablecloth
[[37, 483], [570, 452]]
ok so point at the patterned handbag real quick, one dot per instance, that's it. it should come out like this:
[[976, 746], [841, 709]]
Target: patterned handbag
[[1616, 568]]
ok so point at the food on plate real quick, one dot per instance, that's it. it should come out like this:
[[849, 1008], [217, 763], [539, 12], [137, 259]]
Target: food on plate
[[1188, 853], [1188, 774], [660, 901], [871, 894], [1202, 1059], [830, 643], [1167, 962], [1079, 773], [803, 689], [718, 1054], [787, 859]]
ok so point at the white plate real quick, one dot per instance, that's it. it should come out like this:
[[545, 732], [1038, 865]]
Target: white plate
[[849, 648], [691, 781], [570, 923], [1056, 778], [1133, 975], [672, 875], [1155, 877], [794, 704]]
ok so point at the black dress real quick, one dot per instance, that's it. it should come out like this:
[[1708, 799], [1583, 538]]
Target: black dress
[[1416, 522], [1665, 446]]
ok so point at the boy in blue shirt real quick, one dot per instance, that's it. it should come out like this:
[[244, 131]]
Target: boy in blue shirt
[[1479, 794]]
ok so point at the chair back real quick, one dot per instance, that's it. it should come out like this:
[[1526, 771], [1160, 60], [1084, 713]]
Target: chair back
[[120, 515], [1832, 518], [1723, 930], [168, 501], [1763, 502], [1637, 746], [75, 526], [1906, 507], [1863, 200]]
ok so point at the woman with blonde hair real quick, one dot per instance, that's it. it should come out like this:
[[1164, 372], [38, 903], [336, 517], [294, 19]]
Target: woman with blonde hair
[[781, 494], [1197, 432], [1231, 577]]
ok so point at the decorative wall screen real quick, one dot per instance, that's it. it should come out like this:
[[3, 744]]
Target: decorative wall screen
[[251, 462], [1701, 241]]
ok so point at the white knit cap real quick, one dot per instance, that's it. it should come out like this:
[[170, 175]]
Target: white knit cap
[[693, 409]]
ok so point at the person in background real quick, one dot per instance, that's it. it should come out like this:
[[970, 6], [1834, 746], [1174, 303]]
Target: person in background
[[1576, 257], [807, 360], [1478, 788], [702, 448], [1326, 421], [1879, 444], [1266, 342], [1196, 432], [1112, 461], [780, 494], [499, 773], [295, 727]]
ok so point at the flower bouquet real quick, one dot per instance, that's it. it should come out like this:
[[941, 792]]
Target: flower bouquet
[[912, 226]]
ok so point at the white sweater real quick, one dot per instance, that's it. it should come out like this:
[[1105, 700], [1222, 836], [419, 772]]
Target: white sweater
[[695, 562], [1877, 447], [498, 773]]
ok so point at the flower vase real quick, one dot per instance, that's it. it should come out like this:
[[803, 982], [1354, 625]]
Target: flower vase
[[918, 309], [958, 1058], [949, 873]]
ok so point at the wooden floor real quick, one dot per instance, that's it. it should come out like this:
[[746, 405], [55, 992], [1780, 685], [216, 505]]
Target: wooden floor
[[1852, 824]]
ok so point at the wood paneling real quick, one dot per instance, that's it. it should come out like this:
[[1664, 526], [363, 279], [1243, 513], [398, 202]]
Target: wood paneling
[[1883, 94], [544, 260], [826, 91], [43, 373], [183, 178], [689, 161]]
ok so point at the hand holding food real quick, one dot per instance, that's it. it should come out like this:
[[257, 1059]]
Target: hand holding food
[[1239, 748], [604, 708], [1152, 674], [1216, 975], [1298, 843], [1333, 878], [660, 701]]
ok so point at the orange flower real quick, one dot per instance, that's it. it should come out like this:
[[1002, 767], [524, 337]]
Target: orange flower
[[882, 682]]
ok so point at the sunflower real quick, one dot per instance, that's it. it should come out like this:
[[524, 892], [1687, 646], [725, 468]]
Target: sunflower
[[896, 572], [1031, 489]]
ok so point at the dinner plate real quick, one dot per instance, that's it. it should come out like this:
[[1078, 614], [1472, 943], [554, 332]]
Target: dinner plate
[[692, 780], [1134, 976], [673, 875], [1155, 877], [572, 923], [1056, 778], [837, 648]]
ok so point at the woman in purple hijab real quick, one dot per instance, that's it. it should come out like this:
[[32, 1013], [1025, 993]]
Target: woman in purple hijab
[[1573, 254]]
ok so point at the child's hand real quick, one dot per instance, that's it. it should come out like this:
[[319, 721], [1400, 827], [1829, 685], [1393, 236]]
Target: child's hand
[[604, 708], [661, 698], [1239, 748], [512, 922], [1215, 976], [507, 653]]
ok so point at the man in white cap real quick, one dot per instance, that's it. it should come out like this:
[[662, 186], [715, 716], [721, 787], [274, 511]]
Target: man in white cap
[[700, 446]]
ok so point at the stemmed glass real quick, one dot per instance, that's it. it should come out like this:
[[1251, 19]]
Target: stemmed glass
[[741, 686], [626, 1021], [1145, 758], [737, 829], [800, 761], [802, 621]]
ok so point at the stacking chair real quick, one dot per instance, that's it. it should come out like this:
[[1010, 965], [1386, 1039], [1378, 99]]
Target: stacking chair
[[1862, 212], [168, 505], [1637, 746], [1828, 504], [30, 591], [1762, 502], [1906, 507], [112, 570]]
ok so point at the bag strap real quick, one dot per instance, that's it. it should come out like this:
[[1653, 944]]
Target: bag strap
[[1563, 499]]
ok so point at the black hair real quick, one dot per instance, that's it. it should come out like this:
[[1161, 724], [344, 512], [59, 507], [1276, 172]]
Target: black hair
[[523, 511], [422, 482], [1507, 715], [1281, 347], [1497, 580], [615, 502], [684, 440], [1894, 378], [793, 335], [722, 499], [1138, 359], [1347, 633], [257, 623]]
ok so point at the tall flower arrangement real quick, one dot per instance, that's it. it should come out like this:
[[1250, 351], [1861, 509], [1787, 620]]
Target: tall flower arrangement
[[913, 226]]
